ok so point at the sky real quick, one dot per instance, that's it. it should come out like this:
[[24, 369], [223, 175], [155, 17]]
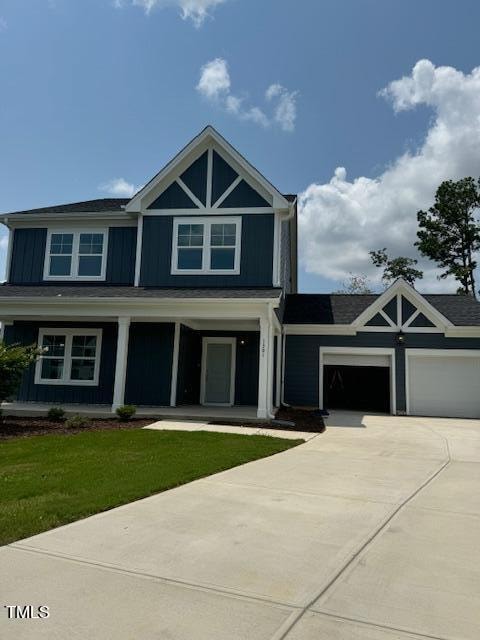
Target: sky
[[362, 107]]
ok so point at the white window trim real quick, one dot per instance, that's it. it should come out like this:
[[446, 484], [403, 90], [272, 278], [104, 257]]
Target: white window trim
[[69, 333], [206, 248], [203, 375], [75, 254]]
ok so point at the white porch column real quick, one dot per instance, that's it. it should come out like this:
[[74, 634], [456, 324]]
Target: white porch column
[[264, 394], [121, 363], [279, 370], [176, 349]]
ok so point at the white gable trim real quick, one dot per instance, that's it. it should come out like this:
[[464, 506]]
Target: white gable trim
[[397, 289], [199, 144]]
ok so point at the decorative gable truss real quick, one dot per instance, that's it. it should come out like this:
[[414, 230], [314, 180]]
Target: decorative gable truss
[[401, 308], [208, 176]]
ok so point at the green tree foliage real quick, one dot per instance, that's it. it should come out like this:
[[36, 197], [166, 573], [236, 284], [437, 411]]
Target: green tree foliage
[[449, 232], [394, 268], [14, 360]]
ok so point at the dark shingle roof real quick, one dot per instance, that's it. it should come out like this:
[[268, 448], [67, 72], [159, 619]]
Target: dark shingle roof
[[102, 291], [338, 308], [87, 206], [325, 308], [460, 310]]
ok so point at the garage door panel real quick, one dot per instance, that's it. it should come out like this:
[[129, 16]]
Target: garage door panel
[[444, 385]]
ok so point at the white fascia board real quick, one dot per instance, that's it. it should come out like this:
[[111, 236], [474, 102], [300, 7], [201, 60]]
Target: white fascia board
[[462, 332], [319, 329], [33, 219], [212, 309], [198, 143]]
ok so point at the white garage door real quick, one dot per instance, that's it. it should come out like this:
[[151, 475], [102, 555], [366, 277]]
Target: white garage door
[[440, 385]]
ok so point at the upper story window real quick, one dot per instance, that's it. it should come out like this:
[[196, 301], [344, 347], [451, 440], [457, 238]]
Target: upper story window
[[69, 356], [206, 245], [76, 255]]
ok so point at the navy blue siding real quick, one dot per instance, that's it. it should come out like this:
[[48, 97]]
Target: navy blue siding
[[255, 265], [149, 367], [28, 256], [302, 359], [27, 333], [244, 196], [222, 176], [246, 365], [391, 309], [189, 366], [195, 177], [174, 197], [122, 245]]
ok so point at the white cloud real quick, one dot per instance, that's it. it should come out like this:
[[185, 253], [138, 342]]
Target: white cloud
[[286, 108], [215, 84], [119, 188], [3, 24], [195, 10], [341, 220], [215, 80]]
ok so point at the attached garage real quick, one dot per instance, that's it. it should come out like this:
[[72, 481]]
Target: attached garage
[[357, 379], [443, 383]]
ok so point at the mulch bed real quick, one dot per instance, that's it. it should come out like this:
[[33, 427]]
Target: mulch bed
[[304, 419], [18, 426]]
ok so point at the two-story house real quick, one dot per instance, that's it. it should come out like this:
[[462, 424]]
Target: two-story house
[[170, 298], [186, 296]]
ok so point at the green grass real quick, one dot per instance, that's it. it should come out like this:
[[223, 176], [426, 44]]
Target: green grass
[[47, 481]]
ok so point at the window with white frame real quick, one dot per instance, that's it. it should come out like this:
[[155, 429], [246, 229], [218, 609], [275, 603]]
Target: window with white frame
[[206, 245], [76, 255], [69, 356]]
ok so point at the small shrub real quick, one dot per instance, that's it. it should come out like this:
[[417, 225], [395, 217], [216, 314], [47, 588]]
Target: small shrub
[[57, 414], [126, 412], [77, 422]]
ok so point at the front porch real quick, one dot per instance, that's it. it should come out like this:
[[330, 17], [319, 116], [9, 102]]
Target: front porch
[[191, 359], [187, 412]]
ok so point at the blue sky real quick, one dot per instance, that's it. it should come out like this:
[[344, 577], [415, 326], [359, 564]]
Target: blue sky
[[95, 91]]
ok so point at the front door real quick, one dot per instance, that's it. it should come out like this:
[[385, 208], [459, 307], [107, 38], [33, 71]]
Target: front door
[[218, 369]]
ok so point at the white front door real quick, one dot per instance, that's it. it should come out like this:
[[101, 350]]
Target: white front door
[[218, 371]]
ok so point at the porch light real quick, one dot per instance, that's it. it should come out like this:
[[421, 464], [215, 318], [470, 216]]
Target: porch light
[[400, 338], [242, 342]]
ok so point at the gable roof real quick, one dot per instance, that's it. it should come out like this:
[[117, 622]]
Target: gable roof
[[339, 308], [208, 135]]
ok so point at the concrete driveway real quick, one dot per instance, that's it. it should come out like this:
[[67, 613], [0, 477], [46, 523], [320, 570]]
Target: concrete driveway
[[368, 532]]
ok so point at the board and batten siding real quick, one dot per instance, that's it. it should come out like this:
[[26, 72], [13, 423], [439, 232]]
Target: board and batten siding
[[26, 333], [122, 249], [301, 385], [28, 256], [246, 365], [255, 265], [149, 366]]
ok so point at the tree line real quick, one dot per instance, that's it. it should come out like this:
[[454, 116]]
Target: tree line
[[448, 234]]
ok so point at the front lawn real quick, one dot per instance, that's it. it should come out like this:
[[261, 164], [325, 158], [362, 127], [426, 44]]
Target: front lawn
[[49, 481]]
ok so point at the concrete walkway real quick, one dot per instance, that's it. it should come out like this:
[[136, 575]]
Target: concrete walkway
[[368, 532]]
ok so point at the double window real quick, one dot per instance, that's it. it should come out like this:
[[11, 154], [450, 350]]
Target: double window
[[69, 356], [206, 245], [76, 255]]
